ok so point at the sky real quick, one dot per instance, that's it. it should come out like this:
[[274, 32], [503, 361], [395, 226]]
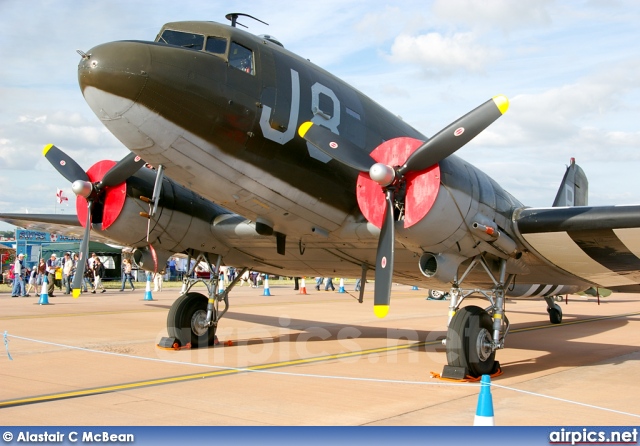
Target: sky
[[569, 68]]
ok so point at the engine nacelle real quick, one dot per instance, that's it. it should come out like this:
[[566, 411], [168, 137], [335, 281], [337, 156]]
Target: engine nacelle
[[151, 259]]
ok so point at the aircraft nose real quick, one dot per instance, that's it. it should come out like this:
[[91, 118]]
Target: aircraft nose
[[119, 69]]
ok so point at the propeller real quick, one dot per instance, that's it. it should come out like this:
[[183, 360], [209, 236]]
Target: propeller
[[392, 178], [88, 186]]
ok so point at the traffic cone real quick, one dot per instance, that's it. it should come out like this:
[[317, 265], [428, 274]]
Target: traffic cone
[[484, 411], [44, 294], [147, 292], [341, 287], [414, 288], [266, 287], [303, 287]]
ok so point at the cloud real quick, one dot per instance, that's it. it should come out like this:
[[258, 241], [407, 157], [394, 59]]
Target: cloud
[[437, 54]]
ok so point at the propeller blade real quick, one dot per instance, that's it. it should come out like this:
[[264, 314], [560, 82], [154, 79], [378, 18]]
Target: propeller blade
[[335, 146], [456, 135], [124, 168], [384, 261], [65, 165], [78, 278]]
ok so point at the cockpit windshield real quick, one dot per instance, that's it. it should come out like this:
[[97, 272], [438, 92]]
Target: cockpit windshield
[[179, 38]]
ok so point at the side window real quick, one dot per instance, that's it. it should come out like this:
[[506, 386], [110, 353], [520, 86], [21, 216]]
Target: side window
[[216, 45], [241, 57]]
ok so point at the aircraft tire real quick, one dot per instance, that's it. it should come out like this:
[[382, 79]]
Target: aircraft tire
[[182, 318], [469, 332], [437, 294], [555, 314]]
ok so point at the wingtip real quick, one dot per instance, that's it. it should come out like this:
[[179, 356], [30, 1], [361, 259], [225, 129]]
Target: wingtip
[[304, 128], [381, 310]]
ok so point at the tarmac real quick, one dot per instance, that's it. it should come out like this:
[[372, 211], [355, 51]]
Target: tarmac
[[315, 359]]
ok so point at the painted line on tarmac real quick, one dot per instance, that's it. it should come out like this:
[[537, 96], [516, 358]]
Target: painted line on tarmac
[[223, 371], [268, 368]]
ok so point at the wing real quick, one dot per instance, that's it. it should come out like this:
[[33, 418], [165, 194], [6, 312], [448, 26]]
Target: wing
[[53, 223], [600, 244]]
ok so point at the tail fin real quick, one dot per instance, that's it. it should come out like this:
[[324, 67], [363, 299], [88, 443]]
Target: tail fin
[[574, 189]]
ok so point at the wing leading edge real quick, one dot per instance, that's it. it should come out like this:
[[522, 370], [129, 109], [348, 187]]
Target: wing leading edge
[[54, 223], [600, 244]]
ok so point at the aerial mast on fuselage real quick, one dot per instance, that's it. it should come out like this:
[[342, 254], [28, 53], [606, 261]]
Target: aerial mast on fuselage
[[233, 18]]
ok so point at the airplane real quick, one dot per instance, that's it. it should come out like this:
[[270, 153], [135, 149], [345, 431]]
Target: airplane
[[263, 160]]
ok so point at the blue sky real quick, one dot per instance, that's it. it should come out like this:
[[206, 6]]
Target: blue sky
[[569, 68]]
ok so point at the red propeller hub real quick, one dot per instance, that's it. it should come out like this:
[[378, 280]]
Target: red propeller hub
[[113, 197], [421, 191]]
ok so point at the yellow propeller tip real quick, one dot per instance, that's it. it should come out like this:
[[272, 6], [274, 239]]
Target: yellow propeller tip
[[304, 128], [76, 294], [46, 149], [381, 310], [502, 103]]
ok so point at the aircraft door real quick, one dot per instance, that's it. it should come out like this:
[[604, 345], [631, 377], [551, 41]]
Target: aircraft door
[[244, 82]]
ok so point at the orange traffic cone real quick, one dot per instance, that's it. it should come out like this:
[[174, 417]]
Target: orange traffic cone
[[303, 287]]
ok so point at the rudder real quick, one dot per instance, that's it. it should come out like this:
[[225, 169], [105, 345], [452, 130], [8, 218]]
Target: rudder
[[574, 189]]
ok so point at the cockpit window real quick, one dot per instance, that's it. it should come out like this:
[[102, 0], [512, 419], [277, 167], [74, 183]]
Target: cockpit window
[[241, 57], [216, 45], [179, 38]]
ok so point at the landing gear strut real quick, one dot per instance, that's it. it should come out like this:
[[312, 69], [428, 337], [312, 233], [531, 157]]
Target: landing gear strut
[[554, 310], [474, 334], [193, 317]]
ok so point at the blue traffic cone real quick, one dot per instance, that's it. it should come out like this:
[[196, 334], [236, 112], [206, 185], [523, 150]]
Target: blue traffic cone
[[341, 287], [414, 288], [266, 287], [147, 292], [484, 411], [44, 294]]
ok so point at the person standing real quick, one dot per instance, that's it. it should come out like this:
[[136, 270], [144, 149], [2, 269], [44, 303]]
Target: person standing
[[157, 280], [33, 277], [52, 267], [19, 272], [329, 284], [98, 274], [126, 274], [67, 268], [42, 270]]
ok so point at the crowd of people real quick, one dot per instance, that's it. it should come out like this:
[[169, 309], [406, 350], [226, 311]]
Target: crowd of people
[[60, 273]]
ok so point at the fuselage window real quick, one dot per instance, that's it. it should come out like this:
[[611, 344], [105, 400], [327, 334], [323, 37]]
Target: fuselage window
[[178, 38], [216, 45], [241, 57]]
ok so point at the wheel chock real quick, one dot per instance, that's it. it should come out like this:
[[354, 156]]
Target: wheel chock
[[451, 372], [169, 343]]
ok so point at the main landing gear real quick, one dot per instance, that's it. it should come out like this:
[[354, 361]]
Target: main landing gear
[[474, 333], [193, 317]]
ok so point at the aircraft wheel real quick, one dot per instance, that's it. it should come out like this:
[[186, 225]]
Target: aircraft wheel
[[555, 314], [469, 341], [185, 321], [436, 294]]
